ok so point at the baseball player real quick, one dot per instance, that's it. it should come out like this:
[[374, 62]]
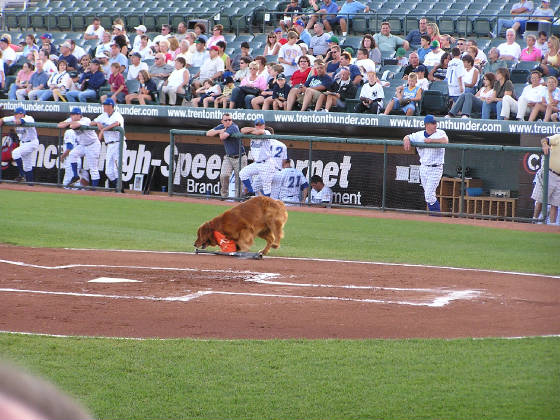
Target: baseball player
[[105, 122], [86, 144], [431, 160], [320, 193], [263, 166], [550, 145], [279, 153], [24, 155], [289, 185]]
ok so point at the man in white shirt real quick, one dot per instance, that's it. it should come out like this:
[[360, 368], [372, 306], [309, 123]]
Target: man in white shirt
[[212, 68], [135, 66], [364, 63], [8, 54], [510, 50], [165, 33], [200, 54], [140, 30], [94, 31], [181, 31], [320, 194], [289, 54], [320, 41], [530, 96], [455, 74]]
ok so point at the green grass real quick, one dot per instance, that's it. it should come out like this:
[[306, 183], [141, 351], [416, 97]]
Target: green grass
[[460, 379], [315, 379]]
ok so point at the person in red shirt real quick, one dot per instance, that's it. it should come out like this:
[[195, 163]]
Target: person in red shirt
[[118, 85]]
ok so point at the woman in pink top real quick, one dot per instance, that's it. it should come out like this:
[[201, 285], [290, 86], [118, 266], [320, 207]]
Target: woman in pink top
[[216, 36], [22, 79], [531, 53], [249, 88]]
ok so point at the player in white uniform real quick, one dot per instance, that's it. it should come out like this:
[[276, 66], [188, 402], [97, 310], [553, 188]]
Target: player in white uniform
[[431, 159], [106, 121], [289, 185], [279, 153], [87, 144], [320, 193], [24, 155], [263, 166]]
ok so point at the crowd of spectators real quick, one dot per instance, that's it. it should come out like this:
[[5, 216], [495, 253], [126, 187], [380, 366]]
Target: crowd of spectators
[[304, 66]]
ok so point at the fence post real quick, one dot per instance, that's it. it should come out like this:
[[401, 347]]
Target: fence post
[[462, 198], [384, 191], [171, 163], [120, 164], [309, 168], [58, 149], [546, 164]]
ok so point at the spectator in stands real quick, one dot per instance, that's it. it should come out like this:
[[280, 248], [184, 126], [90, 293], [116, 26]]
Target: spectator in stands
[[479, 57], [135, 66], [387, 42], [314, 86], [37, 82], [181, 31], [104, 65], [414, 37], [30, 44], [66, 56], [439, 72], [422, 76], [235, 62], [144, 48], [530, 53], [173, 46], [510, 50], [334, 62], [520, 12], [140, 31], [206, 94], [401, 57], [272, 46], [176, 83], [407, 98], [280, 94], [22, 79], [212, 68], [184, 51], [243, 69], [371, 96], [549, 104], [435, 54], [48, 65], [83, 64], [472, 74], [542, 42], [502, 86], [346, 12], [163, 48], [160, 70], [280, 36], [200, 55], [222, 54], [147, 90], [468, 103], [432, 31], [224, 98], [90, 82], [335, 96], [258, 101], [494, 61], [301, 74], [364, 63], [462, 45], [355, 74], [48, 45], [57, 81], [413, 63], [289, 54], [104, 45], [121, 38], [164, 34], [249, 87], [217, 35], [117, 57], [94, 31], [293, 10], [304, 35], [199, 29], [75, 49], [543, 13], [320, 41], [550, 65], [368, 42], [530, 97], [118, 85], [455, 75], [8, 54], [326, 12], [424, 47]]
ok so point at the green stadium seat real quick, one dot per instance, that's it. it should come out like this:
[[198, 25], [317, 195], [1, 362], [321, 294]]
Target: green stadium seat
[[520, 75], [434, 102], [132, 86], [526, 65], [360, 24], [78, 22]]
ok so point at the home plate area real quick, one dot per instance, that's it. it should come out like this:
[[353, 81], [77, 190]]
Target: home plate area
[[153, 294]]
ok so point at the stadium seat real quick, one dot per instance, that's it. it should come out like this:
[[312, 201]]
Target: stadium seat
[[482, 26], [132, 86], [526, 65], [360, 25], [434, 102], [519, 75]]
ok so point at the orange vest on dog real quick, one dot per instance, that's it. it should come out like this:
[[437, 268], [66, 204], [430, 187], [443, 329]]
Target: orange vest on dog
[[225, 244]]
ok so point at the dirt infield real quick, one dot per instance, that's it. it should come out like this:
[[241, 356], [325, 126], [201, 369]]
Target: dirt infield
[[154, 294]]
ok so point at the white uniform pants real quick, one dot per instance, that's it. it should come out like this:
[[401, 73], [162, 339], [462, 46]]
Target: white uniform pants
[[430, 177], [264, 170], [91, 152], [26, 152], [112, 160], [509, 105]]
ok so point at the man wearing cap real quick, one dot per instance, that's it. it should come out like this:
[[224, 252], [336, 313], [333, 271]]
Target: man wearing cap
[[304, 35], [213, 68], [90, 83], [37, 82], [94, 31], [326, 11], [48, 45], [431, 159], [543, 13], [235, 156], [200, 54], [160, 70], [387, 42], [433, 58], [320, 41], [65, 55], [104, 65], [263, 168], [78, 143], [8, 54], [135, 66], [24, 155], [140, 30], [346, 12], [292, 10], [105, 122]]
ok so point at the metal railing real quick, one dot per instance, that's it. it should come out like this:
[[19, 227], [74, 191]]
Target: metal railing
[[59, 152], [462, 148]]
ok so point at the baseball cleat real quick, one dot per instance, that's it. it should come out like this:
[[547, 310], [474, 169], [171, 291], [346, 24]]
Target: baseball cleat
[[19, 179], [73, 181]]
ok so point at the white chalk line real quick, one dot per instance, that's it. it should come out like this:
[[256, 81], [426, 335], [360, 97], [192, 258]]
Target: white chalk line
[[442, 267], [264, 278], [436, 303]]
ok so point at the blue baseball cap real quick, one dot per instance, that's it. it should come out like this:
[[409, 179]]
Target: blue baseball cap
[[429, 119], [19, 110], [109, 101], [259, 121], [76, 110], [46, 36], [300, 22], [277, 30]]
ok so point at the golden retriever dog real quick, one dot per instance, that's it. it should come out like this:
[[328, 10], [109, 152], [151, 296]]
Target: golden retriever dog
[[260, 216]]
